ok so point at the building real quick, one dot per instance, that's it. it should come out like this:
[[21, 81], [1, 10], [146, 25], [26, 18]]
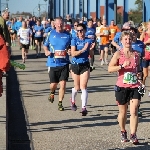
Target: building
[[102, 11]]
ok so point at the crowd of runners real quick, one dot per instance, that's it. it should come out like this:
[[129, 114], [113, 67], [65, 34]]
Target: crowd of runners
[[70, 46]]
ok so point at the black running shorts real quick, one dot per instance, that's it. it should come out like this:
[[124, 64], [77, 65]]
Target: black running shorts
[[24, 46], [57, 74], [79, 69], [124, 95]]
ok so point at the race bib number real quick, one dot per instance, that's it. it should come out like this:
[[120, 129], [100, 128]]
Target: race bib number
[[60, 54], [11, 31], [106, 32], [38, 33], [148, 48], [112, 31], [130, 78]]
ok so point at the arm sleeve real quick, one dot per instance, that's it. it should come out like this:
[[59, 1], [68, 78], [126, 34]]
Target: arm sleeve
[[73, 42]]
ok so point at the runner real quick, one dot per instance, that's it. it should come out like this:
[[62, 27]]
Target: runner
[[113, 30], [145, 37], [80, 67], [74, 30], [12, 32], [38, 37], [104, 34], [24, 35], [126, 63], [98, 38], [138, 46], [56, 47], [90, 33]]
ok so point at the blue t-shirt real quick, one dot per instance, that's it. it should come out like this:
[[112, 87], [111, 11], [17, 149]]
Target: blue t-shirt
[[47, 29], [79, 44], [90, 33], [139, 47], [73, 33], [32, 23], [117, 38], [57, 44], [18, 25], [38, 31]]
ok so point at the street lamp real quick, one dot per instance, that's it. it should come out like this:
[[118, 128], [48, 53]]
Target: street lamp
[[7, 5], [39, 9], [46, 8]]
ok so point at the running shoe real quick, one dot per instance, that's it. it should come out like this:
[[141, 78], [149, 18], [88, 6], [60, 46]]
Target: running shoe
[[148, 94], [51, 98], [73, 106], [124, 136], [102, 62], [139, 113], [133, 139], [60, 106], [106, 62], [84, 112]]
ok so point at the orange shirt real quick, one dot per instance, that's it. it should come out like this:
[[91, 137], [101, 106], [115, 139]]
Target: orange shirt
[[105, 37], [113, 30]]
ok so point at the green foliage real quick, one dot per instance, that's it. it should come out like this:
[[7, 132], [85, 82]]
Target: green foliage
[[119, 18], [139, 4], [136, 14]]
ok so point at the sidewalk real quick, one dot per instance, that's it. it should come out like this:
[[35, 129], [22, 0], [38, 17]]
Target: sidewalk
[[68, 130]]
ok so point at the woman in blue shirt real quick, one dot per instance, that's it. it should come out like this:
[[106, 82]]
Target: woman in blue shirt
[[81, 48], [38, 36]]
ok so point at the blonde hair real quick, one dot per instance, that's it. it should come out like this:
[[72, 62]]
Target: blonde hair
[[126, 33]]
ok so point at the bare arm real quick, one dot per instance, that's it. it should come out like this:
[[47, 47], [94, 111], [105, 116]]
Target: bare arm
[[77, 53], [46, 50], [113, 67], [115, 44]]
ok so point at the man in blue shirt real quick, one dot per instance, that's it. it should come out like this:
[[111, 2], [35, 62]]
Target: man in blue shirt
[[90, 33], [56, 47]]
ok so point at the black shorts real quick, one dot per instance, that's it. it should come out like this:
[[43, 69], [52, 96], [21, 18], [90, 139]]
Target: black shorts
[[24, 46], [80, 68], [124, 95], [39, 39], [57, 74]]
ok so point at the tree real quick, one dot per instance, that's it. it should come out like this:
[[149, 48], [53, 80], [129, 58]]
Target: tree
[[139, 4], [119, 18]]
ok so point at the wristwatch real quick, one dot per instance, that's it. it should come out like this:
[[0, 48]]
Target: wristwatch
[[121, 66]]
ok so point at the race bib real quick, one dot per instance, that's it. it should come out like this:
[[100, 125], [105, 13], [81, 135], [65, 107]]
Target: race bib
[[112, 31], [148, 48], [106, 32], [11, 31], [38, 33], [130, 78], [60, 54]]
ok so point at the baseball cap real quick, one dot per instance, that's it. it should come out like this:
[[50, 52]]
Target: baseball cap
[[126, 26]]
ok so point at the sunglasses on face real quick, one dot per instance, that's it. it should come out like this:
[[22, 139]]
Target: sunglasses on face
[[80, 30], [75, 25]]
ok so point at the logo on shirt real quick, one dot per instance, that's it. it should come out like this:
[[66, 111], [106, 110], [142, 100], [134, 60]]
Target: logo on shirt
[[64, 37], [54, 36]]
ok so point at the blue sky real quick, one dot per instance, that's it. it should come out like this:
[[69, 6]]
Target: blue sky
[[30, 5]]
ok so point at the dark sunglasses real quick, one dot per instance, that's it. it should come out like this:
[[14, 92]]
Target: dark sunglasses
[[75, 25], [80, 30]]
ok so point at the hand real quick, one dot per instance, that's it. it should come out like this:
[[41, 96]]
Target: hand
[[7, 44], [126, 63], [92, 46], [69, 52], [47, 53]]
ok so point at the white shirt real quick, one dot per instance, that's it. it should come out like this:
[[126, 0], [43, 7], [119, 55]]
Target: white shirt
[[24, 35]]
